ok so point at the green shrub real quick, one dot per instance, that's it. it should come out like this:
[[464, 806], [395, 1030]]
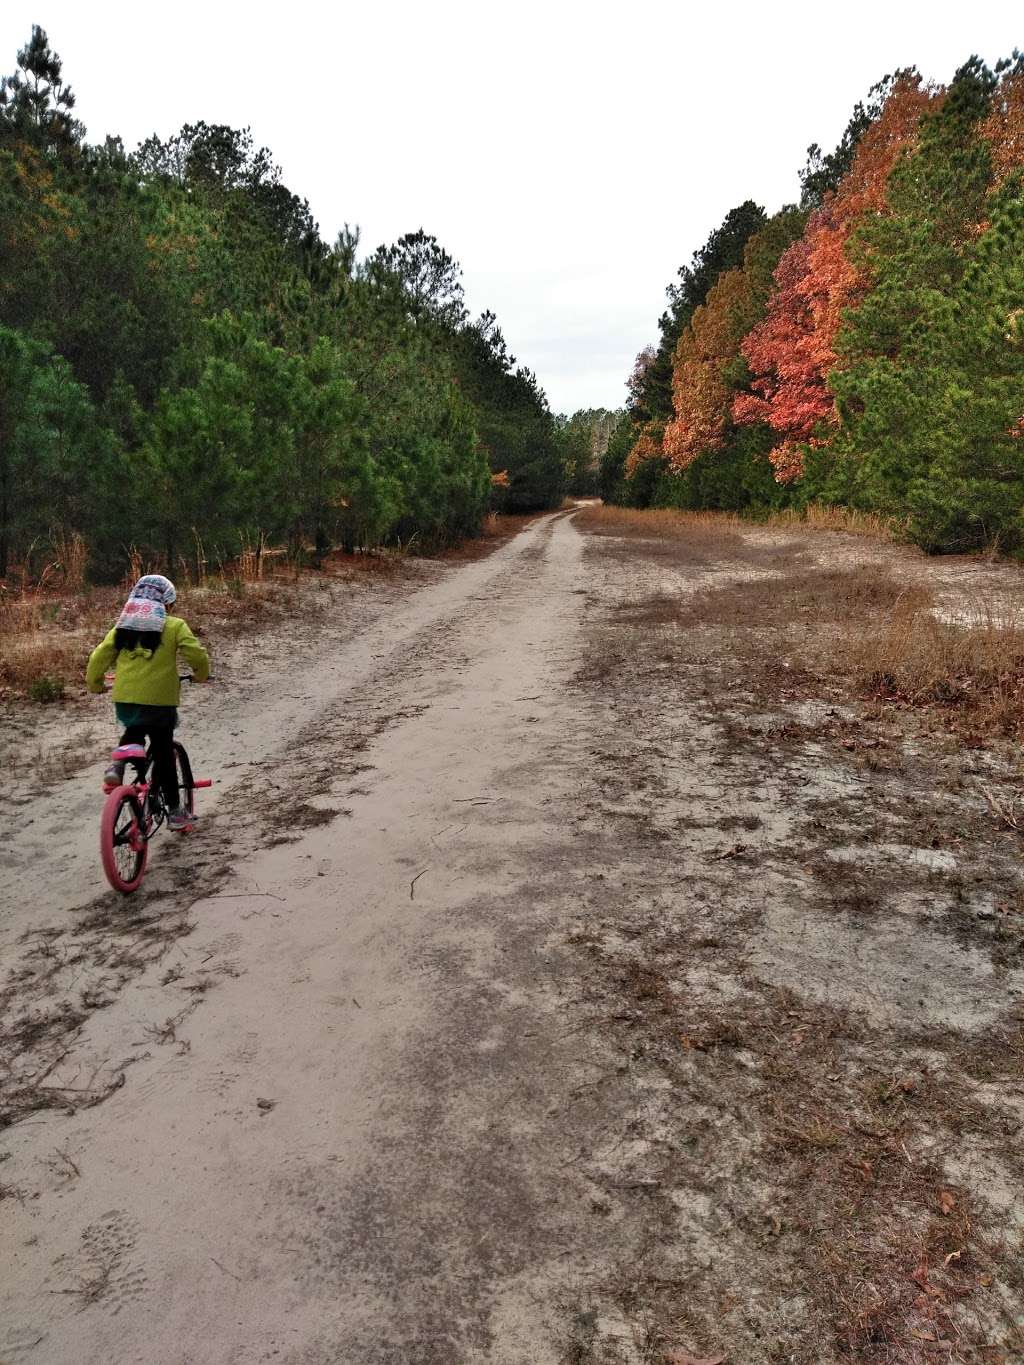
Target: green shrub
[[49, 687]]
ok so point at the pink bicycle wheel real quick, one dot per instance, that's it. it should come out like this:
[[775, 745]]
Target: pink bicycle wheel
[[123, 845]]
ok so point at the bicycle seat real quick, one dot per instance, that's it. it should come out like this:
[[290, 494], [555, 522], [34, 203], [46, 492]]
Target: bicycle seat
[[127, 753]]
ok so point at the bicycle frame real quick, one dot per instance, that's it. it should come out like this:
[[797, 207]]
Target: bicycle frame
[[155, 811], [154, 814], [151, 814], [152, 810]]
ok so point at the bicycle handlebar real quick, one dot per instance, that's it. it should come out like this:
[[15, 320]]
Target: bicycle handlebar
[[108, 679]]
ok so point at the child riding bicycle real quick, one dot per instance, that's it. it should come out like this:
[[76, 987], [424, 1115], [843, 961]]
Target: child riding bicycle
[[143, 648]]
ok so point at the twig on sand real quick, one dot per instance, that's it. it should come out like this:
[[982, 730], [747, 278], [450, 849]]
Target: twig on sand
[[67, 1160], [476, 800], [50, 1068], [241, 896], [734, 852], [90, 1290], [412, 884], [167, 1031], [434, 837], [226, 1270], [81, 1089]]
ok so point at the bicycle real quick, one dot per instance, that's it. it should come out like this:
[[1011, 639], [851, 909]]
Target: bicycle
[[134, 811]]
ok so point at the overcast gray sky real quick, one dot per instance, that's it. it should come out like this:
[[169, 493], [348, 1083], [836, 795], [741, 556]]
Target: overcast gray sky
[[571, 155]]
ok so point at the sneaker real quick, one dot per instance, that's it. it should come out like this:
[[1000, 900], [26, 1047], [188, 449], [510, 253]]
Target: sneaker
[[180, 820], [113, 777]]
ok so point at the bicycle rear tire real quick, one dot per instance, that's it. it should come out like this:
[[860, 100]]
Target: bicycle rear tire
[[124, 848]]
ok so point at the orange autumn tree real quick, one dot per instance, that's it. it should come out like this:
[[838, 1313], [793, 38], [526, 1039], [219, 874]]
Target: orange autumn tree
[[708, 365], [647, 446], [700, 388], [791, 352]]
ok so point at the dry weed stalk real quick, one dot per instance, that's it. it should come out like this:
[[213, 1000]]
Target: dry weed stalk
[[250, 561], [1005, 812], [200, 560], [72, 558]]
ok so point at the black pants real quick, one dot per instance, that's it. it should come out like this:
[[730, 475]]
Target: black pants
[[160, 732]]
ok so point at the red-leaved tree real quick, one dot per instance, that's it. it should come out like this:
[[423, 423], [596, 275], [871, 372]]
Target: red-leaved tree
[[708, 367], [792, 351]]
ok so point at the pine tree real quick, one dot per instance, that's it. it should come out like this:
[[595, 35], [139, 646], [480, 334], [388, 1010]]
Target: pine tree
[[971, 490], [35, 104]]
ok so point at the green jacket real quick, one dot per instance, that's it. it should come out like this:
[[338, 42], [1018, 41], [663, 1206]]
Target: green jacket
[[149, 677]]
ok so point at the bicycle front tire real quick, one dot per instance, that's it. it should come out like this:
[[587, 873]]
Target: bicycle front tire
[[186, 782]]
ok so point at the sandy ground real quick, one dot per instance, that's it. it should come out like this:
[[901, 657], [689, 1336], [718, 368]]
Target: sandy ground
[[420, 1051]]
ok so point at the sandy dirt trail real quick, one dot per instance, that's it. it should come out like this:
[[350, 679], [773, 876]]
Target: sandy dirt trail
[[572, 969], [355, 1151]]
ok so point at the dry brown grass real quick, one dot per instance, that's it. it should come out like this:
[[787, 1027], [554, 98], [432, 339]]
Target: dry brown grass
[[868, 624], [50, 618], [45, 636], [974, 672], [47, 633], [822, 517], [599, 518], [809, 597], [679, 539], [717, 527], [880, 631]]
